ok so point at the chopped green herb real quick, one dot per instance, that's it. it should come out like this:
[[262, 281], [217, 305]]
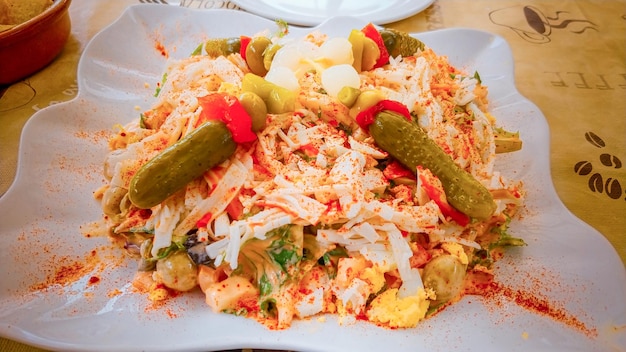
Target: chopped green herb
[[265, 286], [330, 260], [142, 120], [240, 312], [346, 129], [272, 261], [198, 50], [160, 85], [477, 77], [268, 307], [283, 28], [164, 252]]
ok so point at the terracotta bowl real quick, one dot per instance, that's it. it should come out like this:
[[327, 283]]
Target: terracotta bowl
[[31, 45]]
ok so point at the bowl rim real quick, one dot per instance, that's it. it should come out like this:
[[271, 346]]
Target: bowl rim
[[57, 7]]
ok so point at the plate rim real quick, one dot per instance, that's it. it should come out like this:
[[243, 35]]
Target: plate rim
[[265, 10]]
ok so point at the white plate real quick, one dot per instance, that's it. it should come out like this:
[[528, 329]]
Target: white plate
[[61, 154], [314, 12]]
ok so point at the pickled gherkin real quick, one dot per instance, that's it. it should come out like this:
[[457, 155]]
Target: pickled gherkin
[[400, 43], [412, 147], [222, 46], [169, 171]]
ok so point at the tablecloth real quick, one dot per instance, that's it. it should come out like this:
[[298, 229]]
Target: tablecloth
[[570, 60]]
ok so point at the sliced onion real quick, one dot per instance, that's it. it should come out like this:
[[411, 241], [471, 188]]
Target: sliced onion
[[339, 76], [283, 77], [337, 51], [296, 57]]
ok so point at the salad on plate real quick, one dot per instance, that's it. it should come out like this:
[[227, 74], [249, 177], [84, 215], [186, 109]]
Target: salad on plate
[[288, 177]]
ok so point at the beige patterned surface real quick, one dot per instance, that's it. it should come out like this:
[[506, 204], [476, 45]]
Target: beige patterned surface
[[570, 60]]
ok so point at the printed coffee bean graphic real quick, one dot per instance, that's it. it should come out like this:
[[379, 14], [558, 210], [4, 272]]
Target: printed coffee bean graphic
[[595, 183], [610, 160], [583, 168], [594, 139], [613, 188]]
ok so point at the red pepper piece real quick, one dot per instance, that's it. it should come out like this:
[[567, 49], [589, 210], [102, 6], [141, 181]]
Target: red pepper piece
[[371, 32], [235, 209], [244, 41], [309, 150], [420, 257], [436, 194], [227, 108], [204, 220], [367, 116], [395, 170]]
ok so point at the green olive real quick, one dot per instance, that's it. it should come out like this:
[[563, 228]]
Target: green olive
[[444, 275], [255, 107], [366, 99], [356, 38], [254, 55], [178, 271], [146, 263], [257, 85], [281, 100], [371, 53], [112, 200], [269, 54], [348, 95], [278, 100]]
